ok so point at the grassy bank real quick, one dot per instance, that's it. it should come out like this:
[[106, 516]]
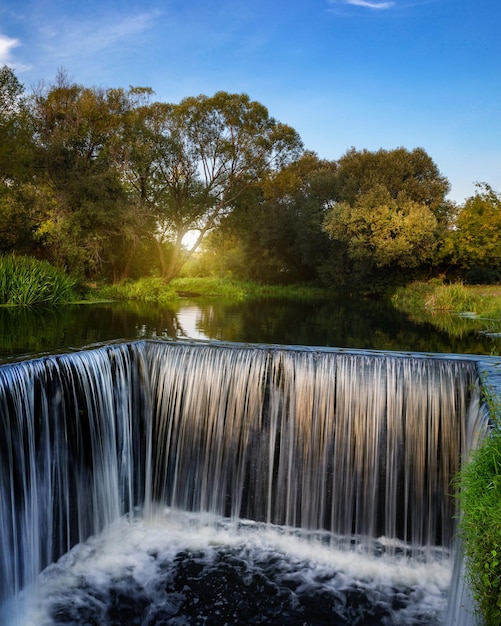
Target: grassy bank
[[25, 281], [155, 290], [454, 308], [478, 300], [480, 524]]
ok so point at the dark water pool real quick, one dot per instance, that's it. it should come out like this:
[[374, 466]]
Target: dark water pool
[[344, 322]]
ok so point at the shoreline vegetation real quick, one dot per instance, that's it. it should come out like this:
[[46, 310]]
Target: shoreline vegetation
[[25, 281], [479, 489], [449, 306], [154, 289]]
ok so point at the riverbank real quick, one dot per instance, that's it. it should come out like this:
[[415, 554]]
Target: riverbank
[[154, 289], [452, 307]]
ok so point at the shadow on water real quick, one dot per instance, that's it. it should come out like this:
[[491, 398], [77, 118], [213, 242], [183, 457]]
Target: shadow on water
[[344, 322]]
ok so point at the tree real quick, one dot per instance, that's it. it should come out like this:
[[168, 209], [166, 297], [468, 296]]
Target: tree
[[476, 237], [87, 208], [208, 151], [390, 211], [381, 231], [19, 196], [280, 227], [403, 173]]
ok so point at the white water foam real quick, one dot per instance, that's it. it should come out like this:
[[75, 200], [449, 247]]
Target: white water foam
[[135, 556]]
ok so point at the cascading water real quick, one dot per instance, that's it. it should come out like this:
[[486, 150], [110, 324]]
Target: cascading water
[[289, 469]]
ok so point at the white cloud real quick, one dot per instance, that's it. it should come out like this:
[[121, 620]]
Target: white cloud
[[6, 46], [369, 4]]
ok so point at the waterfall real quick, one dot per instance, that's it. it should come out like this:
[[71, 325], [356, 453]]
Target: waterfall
[[70, 454], [350, 446]]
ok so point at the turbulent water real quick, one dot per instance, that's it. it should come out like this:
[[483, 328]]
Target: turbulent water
[[175, 570], [182, 484]]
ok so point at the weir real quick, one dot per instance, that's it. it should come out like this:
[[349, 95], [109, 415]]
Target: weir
[[355, 451]]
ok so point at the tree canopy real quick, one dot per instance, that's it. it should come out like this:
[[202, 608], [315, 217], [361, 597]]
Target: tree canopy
[[477, 234], [388, 212], [211, 149], [107, 182]]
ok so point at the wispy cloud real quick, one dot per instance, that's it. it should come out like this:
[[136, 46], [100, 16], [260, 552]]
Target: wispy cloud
[[7, 44], [368, 4], [70, 37]]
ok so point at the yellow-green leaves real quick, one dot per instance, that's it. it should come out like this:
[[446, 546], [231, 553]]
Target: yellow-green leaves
[[384, 231]]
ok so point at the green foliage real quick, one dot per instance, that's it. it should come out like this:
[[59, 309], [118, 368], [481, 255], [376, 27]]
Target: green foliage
[[455, 309], [477, 235], [29, 282], [106, 183], [454, 297], [388, 213], [152, 289], [86, 215], [157, 290], [480, 524], [380, 231], [408, 174], [201, 155], [274, 233]]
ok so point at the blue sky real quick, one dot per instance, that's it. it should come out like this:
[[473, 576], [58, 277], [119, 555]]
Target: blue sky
[[364, 73]]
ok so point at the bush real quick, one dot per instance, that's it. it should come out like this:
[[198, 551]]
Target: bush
[[26, 281]]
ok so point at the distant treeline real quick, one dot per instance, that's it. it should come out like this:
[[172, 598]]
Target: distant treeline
[[106, 183]]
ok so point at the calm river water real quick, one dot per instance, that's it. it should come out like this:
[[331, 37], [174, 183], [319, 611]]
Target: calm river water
[[343, 323]]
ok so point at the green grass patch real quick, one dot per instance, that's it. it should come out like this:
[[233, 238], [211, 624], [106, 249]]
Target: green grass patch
[[25, 281], [436, 296], [153, 289], [483, 301], [443, 304], [480, 523]]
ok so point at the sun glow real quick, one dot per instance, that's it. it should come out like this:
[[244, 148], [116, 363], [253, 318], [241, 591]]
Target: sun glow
[[190, 239]]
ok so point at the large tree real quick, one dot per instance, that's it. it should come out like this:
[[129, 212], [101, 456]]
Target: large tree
[[87, 209], [278, 228], [389, 212], [410, 174], [202, 155], [380, 231], [20, 187]]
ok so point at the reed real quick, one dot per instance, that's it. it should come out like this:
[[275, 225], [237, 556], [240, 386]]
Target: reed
[[25, 281]]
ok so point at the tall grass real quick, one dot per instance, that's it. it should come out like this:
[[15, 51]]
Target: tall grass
[[480, 523], [437, 297], [25, 281]]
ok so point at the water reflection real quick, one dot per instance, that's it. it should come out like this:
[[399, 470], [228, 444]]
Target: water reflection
[[345, 323]]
